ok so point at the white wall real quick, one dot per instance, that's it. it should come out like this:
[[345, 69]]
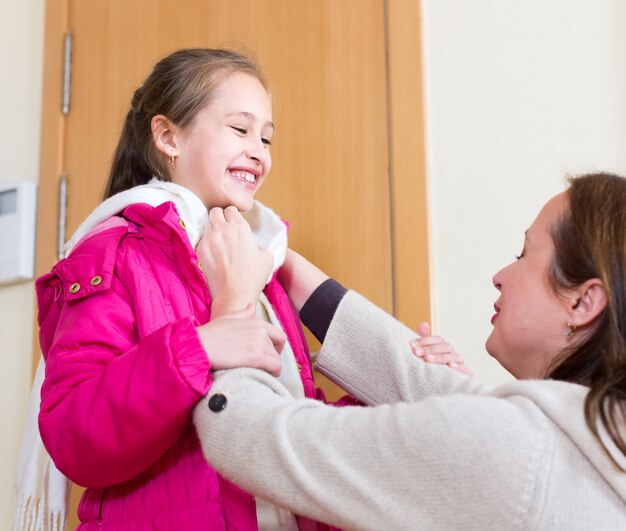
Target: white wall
[[21, 64], [519, 93]]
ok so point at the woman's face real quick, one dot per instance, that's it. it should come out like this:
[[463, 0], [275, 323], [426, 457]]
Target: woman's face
[[223, 156], [530, 323]]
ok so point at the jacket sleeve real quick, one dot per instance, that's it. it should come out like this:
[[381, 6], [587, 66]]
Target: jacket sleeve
[[113, 403], [446, 462], [367, 353]]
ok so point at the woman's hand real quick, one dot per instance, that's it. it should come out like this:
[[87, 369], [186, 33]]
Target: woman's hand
[[235, 269], [300, 278], [434, 349], [242, 340]]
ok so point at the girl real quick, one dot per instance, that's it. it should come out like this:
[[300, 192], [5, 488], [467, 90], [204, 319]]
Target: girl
[[546, 452], [129, 328]]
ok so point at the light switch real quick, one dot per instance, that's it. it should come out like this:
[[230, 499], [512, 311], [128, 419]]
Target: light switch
[[18, 215]]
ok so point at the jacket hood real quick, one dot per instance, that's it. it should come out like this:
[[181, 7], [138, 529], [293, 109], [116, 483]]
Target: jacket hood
[[563, 403], [269, 231]]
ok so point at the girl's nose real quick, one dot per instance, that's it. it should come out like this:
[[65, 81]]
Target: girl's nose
[[260, 154]]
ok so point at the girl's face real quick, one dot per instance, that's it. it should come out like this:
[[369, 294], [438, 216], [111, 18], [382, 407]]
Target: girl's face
[[223, 155], [530, 323]]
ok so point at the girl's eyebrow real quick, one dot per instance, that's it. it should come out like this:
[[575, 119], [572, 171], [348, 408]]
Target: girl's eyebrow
[[249, 116]]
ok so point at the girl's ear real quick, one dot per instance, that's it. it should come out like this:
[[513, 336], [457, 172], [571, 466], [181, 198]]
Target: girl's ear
[[164, 133], [587, 302]]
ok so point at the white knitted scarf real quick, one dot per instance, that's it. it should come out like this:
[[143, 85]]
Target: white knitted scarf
[[41, 493]]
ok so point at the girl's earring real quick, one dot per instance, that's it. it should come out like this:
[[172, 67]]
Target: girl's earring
[[172, 161]]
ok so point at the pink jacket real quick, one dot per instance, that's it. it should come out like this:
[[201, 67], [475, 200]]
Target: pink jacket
[[124, 368]]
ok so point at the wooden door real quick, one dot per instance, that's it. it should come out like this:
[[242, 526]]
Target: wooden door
[[348, 155], [326, 65], [340, 78]]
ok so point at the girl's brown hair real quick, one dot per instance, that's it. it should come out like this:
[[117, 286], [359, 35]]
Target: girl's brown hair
[[590, 242], [179, 86]]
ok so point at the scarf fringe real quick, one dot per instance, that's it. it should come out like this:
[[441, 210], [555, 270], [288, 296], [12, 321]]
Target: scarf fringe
[[31, 514], [41, 494]]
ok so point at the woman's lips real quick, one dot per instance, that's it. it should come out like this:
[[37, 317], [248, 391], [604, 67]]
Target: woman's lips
[[495, 315]]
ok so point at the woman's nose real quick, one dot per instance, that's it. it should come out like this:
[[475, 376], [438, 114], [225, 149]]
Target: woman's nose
[[497, 279]]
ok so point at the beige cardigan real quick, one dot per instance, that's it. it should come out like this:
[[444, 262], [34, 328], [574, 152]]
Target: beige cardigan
[[450, 453]]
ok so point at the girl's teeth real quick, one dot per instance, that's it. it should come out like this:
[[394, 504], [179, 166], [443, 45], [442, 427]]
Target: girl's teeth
[[244, 176]]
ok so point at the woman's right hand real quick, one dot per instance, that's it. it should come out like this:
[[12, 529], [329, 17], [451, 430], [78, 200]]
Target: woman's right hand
[[241, 339]]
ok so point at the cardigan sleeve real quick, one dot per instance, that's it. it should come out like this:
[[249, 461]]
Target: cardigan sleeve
[[441, 463], [367, 353]]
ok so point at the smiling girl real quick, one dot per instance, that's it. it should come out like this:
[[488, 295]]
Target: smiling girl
[[129, 328]]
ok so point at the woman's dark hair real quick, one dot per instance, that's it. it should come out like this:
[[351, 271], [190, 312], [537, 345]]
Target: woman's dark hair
[[590, 242], [179, 86]]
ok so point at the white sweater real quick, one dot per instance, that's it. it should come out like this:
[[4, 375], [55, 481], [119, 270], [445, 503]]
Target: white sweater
[[450, 453]]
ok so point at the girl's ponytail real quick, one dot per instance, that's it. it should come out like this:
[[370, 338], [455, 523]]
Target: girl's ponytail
[[129, 167]]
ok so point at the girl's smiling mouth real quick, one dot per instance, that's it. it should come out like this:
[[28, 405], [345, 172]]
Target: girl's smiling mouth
[[247, 175]]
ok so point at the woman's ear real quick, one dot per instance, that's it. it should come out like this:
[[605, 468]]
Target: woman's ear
[[587, 302], [164, 135]]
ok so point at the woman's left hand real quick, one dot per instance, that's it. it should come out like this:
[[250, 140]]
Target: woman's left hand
[[234, 267], [435, 349]]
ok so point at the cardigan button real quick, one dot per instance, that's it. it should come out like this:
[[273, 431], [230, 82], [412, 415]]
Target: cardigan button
[[217, 402]]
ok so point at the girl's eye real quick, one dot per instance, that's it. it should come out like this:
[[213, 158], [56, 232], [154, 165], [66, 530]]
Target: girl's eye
[[266, 141], [240, 130]]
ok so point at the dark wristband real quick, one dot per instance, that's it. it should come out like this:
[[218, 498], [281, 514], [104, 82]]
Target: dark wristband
[[319, 309]]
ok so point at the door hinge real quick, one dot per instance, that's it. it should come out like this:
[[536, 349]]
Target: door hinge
[[67, 72], [62, 215]]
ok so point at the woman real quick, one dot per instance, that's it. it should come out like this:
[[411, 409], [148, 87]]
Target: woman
[[442, 450]]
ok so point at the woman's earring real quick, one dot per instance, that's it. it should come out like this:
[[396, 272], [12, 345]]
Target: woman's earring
[[571, 330]]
